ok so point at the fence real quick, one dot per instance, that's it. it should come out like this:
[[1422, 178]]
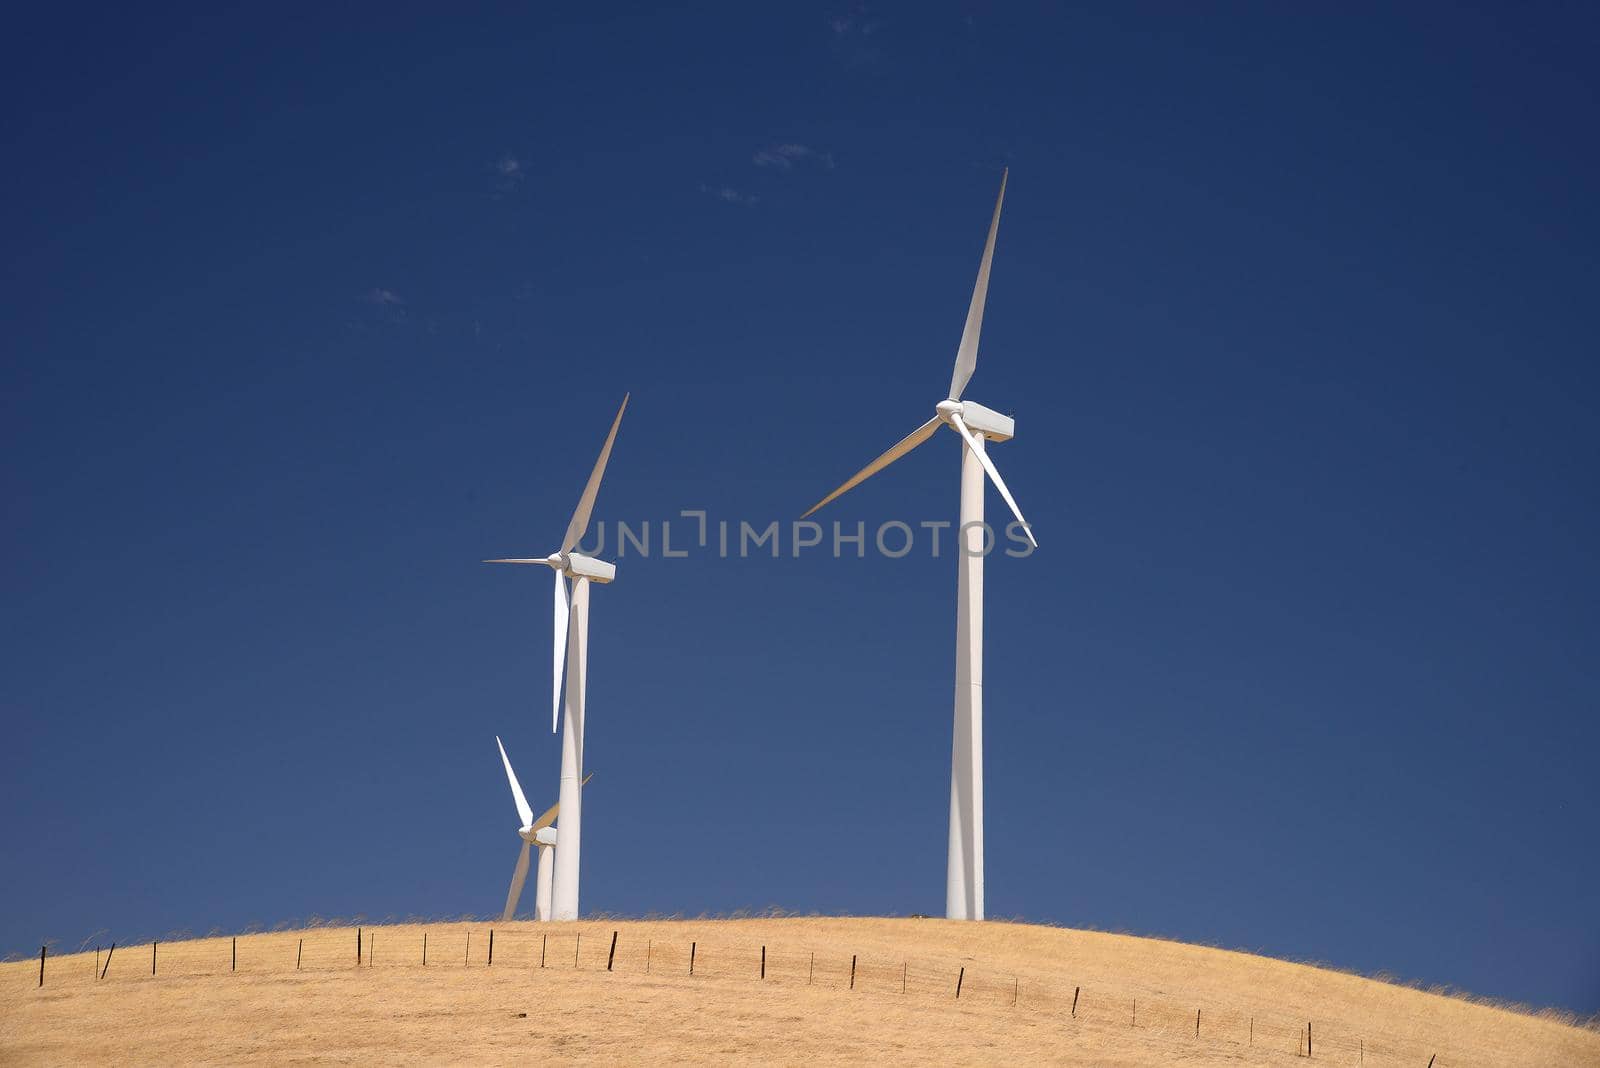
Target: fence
[[613, 948]]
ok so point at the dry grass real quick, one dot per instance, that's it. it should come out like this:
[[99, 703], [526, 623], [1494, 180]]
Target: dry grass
[[1137, 1003]]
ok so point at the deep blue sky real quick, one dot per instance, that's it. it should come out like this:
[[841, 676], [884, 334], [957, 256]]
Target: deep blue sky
[[303, 315]]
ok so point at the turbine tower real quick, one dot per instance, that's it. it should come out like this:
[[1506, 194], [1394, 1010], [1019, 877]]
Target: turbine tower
[[571, 634], [976, 425], [534, 832]]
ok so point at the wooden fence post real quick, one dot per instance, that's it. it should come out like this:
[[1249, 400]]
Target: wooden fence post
[[959, 979], [41, 965], [491, 947], [812, 971], [107, 967], [903, 967], [152, 957], [1133, 1021], [691, 957], [424, 949], [358, 947], [467, 959], [299, 950], [763, 962], [649, 944], [852, 971], [577, 950], [1196, 1023], [1015, 988], [542, 947], [232, 967], [613, 954], [372, 947], [1308, 1038], [1075, 1000]]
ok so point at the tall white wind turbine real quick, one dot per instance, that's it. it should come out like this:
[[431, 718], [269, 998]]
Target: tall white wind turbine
[[572, 644], [976, 425], [534, 832]]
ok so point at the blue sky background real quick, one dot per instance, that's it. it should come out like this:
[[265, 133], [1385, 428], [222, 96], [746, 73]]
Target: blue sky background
[[305, 313]]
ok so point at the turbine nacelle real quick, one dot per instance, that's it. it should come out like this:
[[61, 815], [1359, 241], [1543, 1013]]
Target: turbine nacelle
[[580, 566], [980, 420], [540, 836]]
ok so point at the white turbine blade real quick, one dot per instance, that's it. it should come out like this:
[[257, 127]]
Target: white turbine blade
[[560, 647], [903, 446], [518, 877], [994, 476], [967, 354], [523, 809], [580, 517], [541, 560], [554, 810]]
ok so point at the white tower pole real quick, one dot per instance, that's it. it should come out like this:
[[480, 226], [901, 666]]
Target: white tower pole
[[964, 873], [541, 903], [564, 902]]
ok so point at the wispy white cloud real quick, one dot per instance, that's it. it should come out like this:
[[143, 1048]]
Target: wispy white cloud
[[379, 307], [857, 24], [729, 195], [785, 157], [508, 172], [850, 36]]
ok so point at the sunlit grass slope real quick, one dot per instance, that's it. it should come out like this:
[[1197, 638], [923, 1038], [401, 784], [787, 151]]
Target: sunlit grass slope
[[300, 995]]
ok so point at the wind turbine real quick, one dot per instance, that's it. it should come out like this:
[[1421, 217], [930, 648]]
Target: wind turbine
[[572, 643], [534, 832], [975, 424]]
